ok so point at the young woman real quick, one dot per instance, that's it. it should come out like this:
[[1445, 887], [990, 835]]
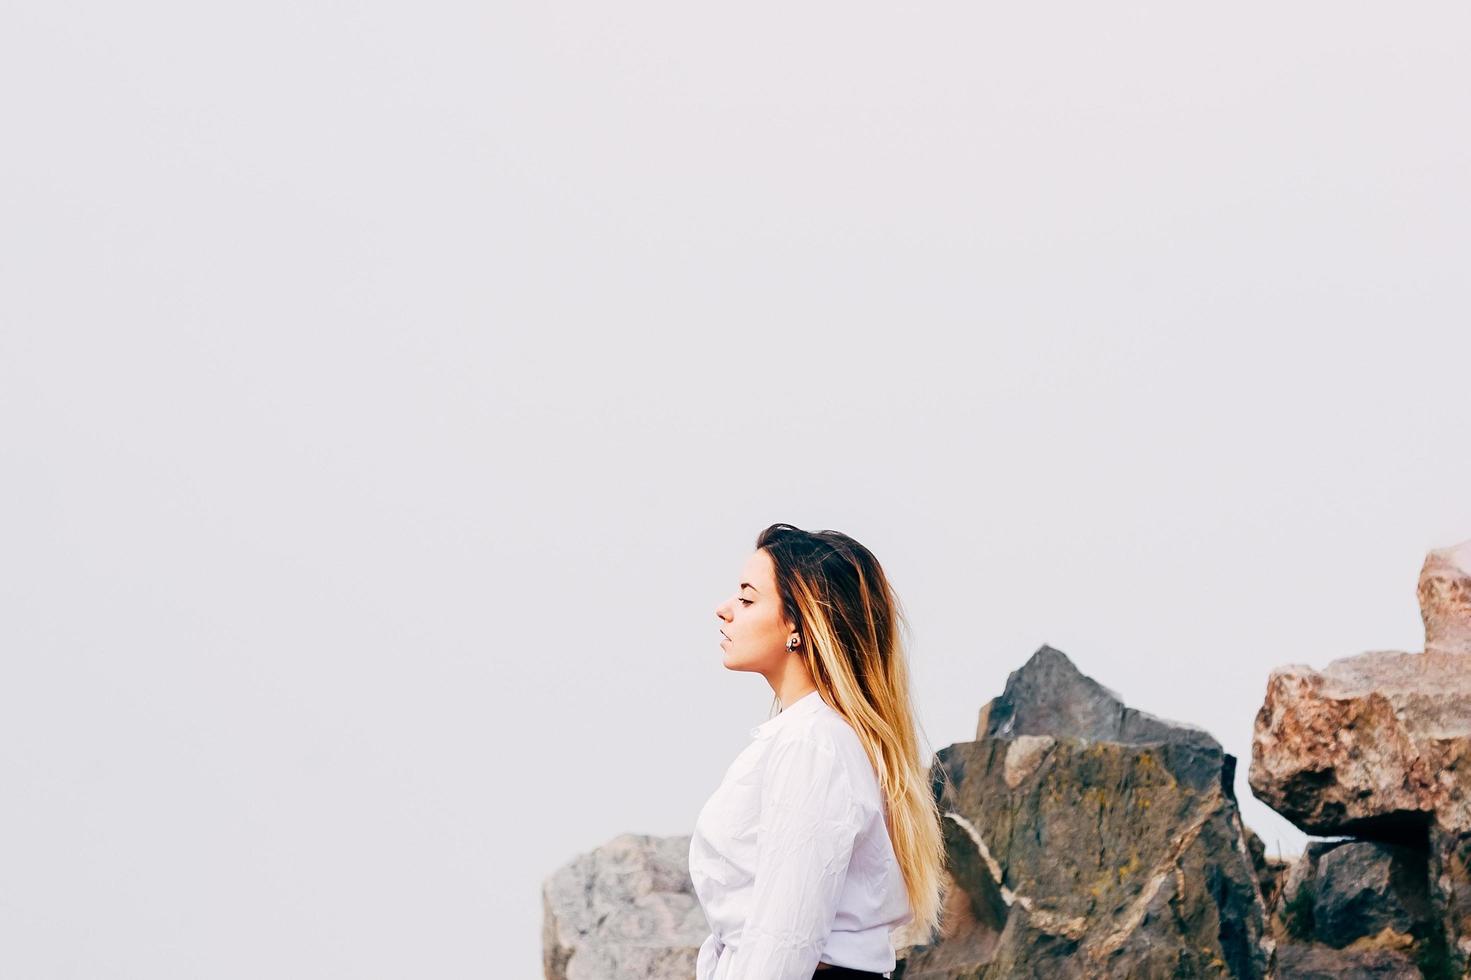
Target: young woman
[[824, 834]]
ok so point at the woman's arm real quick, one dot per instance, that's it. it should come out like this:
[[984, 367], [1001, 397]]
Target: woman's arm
[[804, 842]]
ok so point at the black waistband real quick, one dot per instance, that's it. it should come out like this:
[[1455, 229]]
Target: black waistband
[[834, 972]]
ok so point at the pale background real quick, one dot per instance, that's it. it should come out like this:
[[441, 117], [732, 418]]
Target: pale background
[[389, 393]]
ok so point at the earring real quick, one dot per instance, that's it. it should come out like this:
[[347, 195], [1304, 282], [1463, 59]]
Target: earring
[[792, 644]]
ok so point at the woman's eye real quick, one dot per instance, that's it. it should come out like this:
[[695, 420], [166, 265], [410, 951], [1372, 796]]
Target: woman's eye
[[747, 601]]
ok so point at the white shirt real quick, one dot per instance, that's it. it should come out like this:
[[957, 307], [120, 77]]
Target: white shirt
[[791, 859]]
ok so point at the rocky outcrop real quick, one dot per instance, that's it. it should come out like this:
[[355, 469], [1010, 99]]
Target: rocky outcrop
[[1086, 839], [627, 909], [1378, 747], [1091, 840]]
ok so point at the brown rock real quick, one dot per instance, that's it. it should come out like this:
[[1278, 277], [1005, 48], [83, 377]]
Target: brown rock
[[1445, 599], [1376, 745]]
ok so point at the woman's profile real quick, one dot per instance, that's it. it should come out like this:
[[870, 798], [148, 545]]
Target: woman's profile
[[823, 836]]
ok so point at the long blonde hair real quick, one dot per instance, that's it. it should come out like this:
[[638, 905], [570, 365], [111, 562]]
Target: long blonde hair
[[850, 621]]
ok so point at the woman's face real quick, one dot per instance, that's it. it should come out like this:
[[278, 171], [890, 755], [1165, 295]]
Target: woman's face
[[753, 625]]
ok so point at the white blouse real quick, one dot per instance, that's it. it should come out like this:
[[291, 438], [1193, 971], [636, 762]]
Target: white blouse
[[791, 859]]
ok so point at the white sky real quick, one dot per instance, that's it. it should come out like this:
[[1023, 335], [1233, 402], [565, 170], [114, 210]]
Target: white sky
[[389, 393]]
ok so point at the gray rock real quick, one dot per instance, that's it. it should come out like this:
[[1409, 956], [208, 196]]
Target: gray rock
[[624, 910], [1309, 962], [1110, 836], [1361, 908], [1270, 871], [1363, 888], [1049, 696]]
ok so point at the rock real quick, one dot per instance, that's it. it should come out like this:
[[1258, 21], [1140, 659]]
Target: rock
[[976, 873], [1307, 962], [1050, 697], [1377, 745], [1024, 756], [1293, 914], [1449, 876], [1110, 837], [626, 909], [1356, 908], [1445, 599], [1270, 871], [1363, 888]]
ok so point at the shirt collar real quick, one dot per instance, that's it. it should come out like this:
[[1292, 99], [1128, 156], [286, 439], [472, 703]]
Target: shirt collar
[[806, 704]]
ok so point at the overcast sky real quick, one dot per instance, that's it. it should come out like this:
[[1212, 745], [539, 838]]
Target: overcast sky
[[390, 393]]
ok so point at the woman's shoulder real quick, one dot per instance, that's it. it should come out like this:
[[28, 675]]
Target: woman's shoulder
[[831, 752], [822, 725], [831, 733]]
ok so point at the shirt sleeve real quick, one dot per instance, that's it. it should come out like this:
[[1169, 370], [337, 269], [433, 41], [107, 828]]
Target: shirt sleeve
[[707, 957], [804, 842]]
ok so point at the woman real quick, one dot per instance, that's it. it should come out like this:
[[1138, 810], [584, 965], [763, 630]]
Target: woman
[[824, 834]]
